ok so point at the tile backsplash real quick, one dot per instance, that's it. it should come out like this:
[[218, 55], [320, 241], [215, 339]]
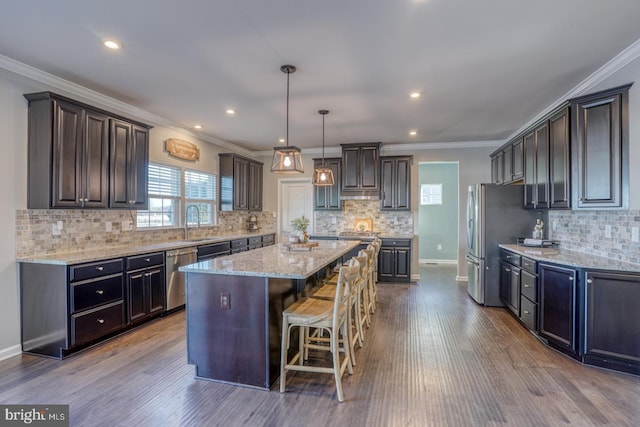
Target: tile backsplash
[[86, 229], [585, 231], [329, 222]]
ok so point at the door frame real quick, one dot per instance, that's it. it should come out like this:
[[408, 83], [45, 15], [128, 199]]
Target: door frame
[[281, 183]]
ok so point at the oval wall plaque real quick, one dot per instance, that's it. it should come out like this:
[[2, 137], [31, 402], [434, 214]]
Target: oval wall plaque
[[183, 150]]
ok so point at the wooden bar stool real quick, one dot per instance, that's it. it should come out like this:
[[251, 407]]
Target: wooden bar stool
[[330, 316]]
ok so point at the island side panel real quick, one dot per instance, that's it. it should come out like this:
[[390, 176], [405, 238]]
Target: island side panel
[[228, 344]]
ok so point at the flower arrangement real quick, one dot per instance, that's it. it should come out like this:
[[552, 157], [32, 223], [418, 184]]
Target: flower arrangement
[[300, 225]]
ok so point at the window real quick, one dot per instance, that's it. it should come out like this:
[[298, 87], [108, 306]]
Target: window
[[166, 197], [200, 191], [431, 194]]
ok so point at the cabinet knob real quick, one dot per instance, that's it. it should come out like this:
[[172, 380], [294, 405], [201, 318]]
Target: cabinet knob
[[101, 321], [507, 269], [589, 281], [100, 268], [527, 286], [100, 292], [570, 278], [508, 256], [147, 260], [526, 311], [517, 273]]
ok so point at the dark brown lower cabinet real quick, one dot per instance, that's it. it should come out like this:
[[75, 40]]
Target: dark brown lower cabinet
[[558, 303], [145, 286], [394, 261], [612, 337]]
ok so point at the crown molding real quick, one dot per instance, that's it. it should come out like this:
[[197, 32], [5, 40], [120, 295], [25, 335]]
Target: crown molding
[[615, 64], [105, 102]]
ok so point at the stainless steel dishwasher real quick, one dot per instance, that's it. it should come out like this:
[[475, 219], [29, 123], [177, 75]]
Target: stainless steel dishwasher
[[175, 280]]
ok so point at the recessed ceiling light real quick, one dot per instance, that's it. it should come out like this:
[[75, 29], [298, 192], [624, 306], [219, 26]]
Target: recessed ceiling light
[[413, 132], [281, 140], [415, 94], [112, 44], [198, 126], [231, 111]]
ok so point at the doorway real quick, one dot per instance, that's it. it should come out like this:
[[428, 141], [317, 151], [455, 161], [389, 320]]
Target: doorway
[[438, 212], [295, 198]]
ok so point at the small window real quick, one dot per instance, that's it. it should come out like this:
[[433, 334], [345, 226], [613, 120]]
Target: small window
[[164, 198], [431, 194], [200, 191]]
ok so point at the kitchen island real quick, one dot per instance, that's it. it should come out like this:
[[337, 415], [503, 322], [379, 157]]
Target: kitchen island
[[234, 308]]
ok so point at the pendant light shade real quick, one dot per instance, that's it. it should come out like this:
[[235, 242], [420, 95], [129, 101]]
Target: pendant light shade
[[323, 175], [287, 159]]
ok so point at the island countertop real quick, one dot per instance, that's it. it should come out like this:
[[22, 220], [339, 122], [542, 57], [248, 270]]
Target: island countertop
[[275, 261]]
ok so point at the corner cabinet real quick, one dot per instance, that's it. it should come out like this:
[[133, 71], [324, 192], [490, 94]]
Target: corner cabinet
[[240, 183], [327, 197], [600, 150], [76, 157], [395, 174]]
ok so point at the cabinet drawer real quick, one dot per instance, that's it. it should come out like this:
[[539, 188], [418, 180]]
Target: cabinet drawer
[[144, 261], [238, 243], [255, 240], [510, 257], [529, 265], [529, 285], [405, 243], [95, 269], [268, 239], [216, 249], [529, 313], [97, 323], [90, 294]]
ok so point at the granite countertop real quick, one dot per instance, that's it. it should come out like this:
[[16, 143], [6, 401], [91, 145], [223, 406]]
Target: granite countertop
[[381, 236], [572, 258], [275, 261], [89, 255]]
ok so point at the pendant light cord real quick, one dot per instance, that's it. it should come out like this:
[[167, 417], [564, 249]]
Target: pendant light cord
[[323, 140], [287, 133]]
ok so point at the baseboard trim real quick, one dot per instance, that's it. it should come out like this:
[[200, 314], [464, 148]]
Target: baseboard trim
[[462, 278], [10, 352], [438, 261], [415, 277]]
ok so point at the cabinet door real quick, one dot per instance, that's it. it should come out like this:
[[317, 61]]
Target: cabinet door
[[530, 171], [387, 172], [95, 186], [386, 264], [514, 290], [156, 282], [67, 156], [350, 168], [240, 184], [494, 169], [600, 149], [129, 164], [517, 159], [255, 186], [403, 184], [500, 167], [542, 166], [507, 161], [327, 197], [559, 171], [137, 293], [402, 260], [369, 168], [557, 305], [505, 283], [613, 318]]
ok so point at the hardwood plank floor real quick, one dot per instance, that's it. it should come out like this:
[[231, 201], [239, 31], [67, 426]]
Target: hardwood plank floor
[[432, 358]]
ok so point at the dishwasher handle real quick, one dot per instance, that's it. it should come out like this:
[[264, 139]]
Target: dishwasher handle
[[179, 252]]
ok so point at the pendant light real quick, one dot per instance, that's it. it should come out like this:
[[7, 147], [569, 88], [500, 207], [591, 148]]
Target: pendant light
[[288, 159], [323, 175]]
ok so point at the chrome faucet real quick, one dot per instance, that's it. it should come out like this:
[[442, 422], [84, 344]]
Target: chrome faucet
[[186, 220]]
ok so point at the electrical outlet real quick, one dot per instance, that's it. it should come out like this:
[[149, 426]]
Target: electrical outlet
[[607, 231], [634, 234], [60, 225], [55, 230], [334, 220], [439, 247], [225, 300], [107, 226]]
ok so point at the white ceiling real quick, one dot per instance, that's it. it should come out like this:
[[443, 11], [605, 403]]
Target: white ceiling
[[485, 67]]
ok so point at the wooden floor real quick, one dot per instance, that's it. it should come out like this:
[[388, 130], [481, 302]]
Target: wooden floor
[[432, 358]]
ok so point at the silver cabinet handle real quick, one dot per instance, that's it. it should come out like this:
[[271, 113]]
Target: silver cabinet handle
[[100, 292], [526, 311], [508, 256], [570, 279], [517, 273], [527, 286], [100, 268], [507, 269], [589, 281], [147, 259], [101, 321]]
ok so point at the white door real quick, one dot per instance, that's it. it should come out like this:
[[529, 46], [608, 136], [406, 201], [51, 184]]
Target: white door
[[296, 199]]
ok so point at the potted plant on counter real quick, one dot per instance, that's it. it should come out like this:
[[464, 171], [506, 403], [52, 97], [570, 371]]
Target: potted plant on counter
[[300, 225]]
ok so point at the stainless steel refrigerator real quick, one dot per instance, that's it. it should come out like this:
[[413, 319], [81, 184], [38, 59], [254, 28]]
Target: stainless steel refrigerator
[[494, 215]]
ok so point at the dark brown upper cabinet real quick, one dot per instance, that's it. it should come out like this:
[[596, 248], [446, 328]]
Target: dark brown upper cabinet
[[517, 159], [559, 160], [395, 172], [507, 163], [71, 159], [129, 166], [327, 197], [600, 150], [240, 183], [361, 169]]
